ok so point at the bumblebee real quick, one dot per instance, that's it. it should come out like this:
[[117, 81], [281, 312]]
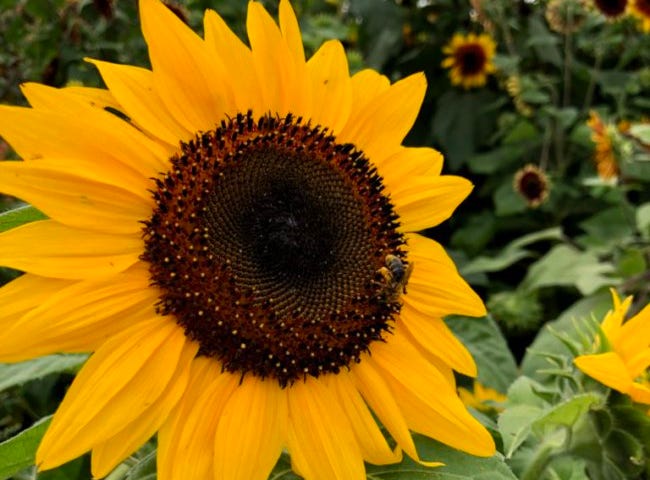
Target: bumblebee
[[395, 274]]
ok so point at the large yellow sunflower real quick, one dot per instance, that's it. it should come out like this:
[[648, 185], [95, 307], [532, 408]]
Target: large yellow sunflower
[[469, 59], [624, 365], [236, 249]]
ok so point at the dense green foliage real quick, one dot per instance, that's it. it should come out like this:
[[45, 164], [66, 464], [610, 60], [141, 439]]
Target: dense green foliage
[[534, 263]]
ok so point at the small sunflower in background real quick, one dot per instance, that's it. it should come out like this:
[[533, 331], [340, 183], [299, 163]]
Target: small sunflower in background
[[623, 364], [565, 16], [239, 249], [469, 59], [482, 398], [611, 9], [640, 9], [604, 154], [532, 184]]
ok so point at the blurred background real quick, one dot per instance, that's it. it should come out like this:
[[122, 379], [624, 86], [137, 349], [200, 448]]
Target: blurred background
[[544, 105]]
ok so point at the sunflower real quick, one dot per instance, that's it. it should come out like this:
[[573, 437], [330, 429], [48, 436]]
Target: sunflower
[[611, 9], [235, 248], [624, 364], [604, 153], [532, 184], [640, 9], [469, 58]]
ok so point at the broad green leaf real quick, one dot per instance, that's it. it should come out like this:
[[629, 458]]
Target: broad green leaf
[[496, 365], [566, 413], [458, 465], [608, 228], [568, 468], [515, 425], [565, 265], [512, 253], [12, 374], [19, 216], [18, 452], [507, 201]]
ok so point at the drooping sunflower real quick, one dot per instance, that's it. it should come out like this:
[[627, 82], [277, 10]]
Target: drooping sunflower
[[624, 364], [235, 248], [640, 9], [611, 9], [604, 153], [469, 59], [532, 184]]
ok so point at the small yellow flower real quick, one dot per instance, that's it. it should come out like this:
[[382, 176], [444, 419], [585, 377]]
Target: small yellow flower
[[640, 9], [624, 366], [482, 398], [469, 58]]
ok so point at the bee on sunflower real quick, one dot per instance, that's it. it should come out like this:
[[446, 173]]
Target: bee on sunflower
[[219, 246]]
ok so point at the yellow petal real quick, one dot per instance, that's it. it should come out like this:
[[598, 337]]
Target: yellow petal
[[407, 163], [203, 372], [92, 139], [381, 126], [189, 82], [433, 335], [107, 455], [330, 86], [79, 317], [291, 31], [608, 368], [366, 86], [187, 441], [236, 57], [282, 90], [117, 384], [75, 200], [429, 402], [50, 249], [251, 431], [20, 296], [320, 436], [374, 447], [427, 200], [67, 99], [134, 88], [376, 393], [639, 392], [635, 334], [435, 287]]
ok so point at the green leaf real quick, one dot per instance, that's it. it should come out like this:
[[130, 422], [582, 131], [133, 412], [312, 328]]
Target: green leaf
[[18, 452], [19, 216], [587, 273], [511, 253], [496, 365], [643, 220], [566, 413], [507, 201], [12, 374], [458, 465], [515, 425]]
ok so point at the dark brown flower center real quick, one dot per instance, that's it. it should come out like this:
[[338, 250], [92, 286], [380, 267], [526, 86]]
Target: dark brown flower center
[[643, 6], [471, 59], [611, 8], [268, 244]]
